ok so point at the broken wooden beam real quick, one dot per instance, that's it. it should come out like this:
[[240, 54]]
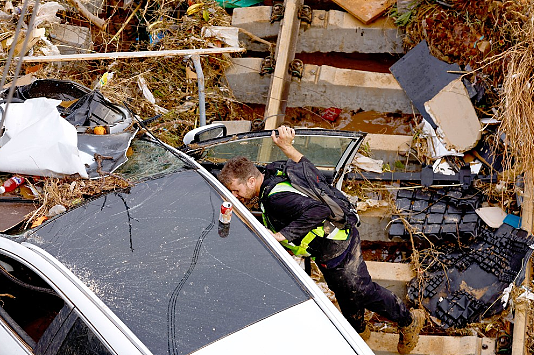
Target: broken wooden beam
[[97, 21], [285, 53]]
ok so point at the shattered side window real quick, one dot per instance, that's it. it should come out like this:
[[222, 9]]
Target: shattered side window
[[323, 151], [149, 159]]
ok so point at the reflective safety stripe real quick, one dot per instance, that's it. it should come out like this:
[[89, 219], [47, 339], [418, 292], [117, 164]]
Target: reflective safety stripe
[[301, 250], [285, 186]]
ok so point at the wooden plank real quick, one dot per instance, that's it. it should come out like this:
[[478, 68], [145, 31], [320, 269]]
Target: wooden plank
[[365, 10], [521, 316], [285, 53], [142, 54]]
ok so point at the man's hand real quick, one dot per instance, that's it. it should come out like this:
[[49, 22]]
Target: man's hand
[[278, 236], [284, 141]]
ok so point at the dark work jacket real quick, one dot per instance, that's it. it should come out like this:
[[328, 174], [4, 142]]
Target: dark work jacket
[[294, 215]]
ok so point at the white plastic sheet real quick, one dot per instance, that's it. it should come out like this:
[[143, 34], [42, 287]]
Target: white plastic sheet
[[38, 141]]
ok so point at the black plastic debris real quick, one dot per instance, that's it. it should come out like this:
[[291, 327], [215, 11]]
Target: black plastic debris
[[64, 90], [423, 76], [440, 214], [462, 283], [93, 109]]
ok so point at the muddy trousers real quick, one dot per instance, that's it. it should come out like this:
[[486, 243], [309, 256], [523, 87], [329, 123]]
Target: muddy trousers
[[355, 291]]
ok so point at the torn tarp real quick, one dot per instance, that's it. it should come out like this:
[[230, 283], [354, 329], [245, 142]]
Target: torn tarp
[[38, 141]]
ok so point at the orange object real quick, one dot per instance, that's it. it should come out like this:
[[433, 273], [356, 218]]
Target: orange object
[[39, 221], [99, 130]]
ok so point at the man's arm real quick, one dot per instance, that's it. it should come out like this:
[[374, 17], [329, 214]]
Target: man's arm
[[284, 141]]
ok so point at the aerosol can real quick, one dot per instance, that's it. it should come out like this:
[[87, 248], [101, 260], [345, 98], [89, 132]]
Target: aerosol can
[[225, 217]]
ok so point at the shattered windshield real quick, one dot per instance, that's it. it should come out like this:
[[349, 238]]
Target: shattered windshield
[[149, 159], [154, 256]]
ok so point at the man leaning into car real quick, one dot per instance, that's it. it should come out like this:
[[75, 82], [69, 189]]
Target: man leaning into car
[[293, 215]]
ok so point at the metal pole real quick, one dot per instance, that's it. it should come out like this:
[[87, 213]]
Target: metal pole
[[201, 91]]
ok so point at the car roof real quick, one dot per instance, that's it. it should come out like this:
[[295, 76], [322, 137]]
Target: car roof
[[154, 256]]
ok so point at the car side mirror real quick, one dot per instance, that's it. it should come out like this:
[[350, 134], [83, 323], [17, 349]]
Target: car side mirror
[[204, 133]]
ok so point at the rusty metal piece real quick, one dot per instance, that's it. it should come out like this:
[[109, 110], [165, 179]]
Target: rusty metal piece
[[267, 65], [305, 14], [277, 12], [296, 67], [98, 159]]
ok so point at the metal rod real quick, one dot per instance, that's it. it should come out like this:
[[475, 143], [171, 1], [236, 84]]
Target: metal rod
[[23, 51], [201, 91], [9, 59]]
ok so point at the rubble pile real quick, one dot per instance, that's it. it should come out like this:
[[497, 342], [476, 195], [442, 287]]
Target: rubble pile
[[470, 86]]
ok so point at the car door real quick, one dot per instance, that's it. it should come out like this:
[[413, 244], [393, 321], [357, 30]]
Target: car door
[[330, 150]]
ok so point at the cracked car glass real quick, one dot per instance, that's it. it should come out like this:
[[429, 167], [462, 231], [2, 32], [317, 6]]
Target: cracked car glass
[[154, 256]]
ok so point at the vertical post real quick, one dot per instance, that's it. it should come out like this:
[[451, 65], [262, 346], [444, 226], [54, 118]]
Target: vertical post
[[285, 53], [521, 316], [201, 91]]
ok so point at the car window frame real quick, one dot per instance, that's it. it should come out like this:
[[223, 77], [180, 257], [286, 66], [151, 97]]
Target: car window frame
[[196, 149]]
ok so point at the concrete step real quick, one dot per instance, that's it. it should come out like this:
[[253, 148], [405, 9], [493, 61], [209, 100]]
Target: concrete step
[[386, 344], [322, 86], [393, 276], [330, 31]]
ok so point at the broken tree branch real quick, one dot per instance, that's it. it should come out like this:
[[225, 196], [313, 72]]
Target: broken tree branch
[[125, 23], [98, 22], [256, 38]]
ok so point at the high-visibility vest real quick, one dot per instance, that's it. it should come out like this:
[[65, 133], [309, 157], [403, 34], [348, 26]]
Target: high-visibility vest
[[301, 249]]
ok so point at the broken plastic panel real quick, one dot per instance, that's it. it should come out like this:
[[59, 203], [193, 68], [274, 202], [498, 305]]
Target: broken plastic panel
[[440, 214], [422, 76], [461, 284]]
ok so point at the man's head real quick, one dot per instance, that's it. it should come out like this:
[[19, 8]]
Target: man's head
[[242, 178]]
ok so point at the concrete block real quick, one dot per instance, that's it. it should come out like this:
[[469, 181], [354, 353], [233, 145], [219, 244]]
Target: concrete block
[[374, 224], [330, 31], [393, 276], [322, 86], [71, 39], [386, 344]]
